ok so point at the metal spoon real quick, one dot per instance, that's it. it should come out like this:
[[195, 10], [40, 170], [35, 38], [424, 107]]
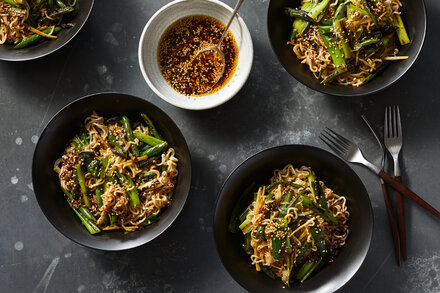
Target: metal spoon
[[216, 49]]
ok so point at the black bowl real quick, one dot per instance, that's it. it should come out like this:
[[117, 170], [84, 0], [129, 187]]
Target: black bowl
[[52, 143], [83, 9], [337, 175], [279, 28]]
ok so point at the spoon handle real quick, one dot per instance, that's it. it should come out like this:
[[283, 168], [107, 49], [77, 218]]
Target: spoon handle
[[237, 6]]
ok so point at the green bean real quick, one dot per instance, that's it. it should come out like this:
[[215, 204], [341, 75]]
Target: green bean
[[365, 43], [331, 77], [300, 25], [151, 126], [351, 7], [374, 74], [319, 9], [326, 215], [326, 22], [134, 198], [148, 175], [370, 12], [15, 10], [307, 269], [337, 25], [147, 138], [104, 165], [130, 136], [278, 241], [57, 13], [339, 13], [98, 193], [325, 29], [246, 226], [67, 193], [154, 150], [269, 197], [402, 35], [60, 3], [143, 163], [131, 188], [312, 185], [149, 220], [90, 226], [116, 147], [288, 249], [86, 213], [300, 14], [335, 53], [35, 38], [77, 143], [285, 204], [260, 232], [11, 2], [82, 184], [92, 167], [318, 238]]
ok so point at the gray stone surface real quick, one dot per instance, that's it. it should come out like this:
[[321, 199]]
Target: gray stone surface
[[272, 109]]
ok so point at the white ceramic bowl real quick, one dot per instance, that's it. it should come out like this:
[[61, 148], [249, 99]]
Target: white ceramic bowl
[[157, 25]]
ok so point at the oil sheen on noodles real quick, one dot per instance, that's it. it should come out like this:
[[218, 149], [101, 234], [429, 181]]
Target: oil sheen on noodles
[[365, 38], [127, 181], [21, 19], [295, 225]]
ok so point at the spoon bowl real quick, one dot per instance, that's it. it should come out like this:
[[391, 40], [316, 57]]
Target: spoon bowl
[[217, 48], [211, 53]]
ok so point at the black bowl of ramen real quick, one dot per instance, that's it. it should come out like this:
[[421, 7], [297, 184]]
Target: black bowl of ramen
[[52, 143], [337, 175], [280, 28], [77, 18]]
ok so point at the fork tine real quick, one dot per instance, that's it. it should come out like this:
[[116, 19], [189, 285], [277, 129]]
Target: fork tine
[[399, 123], [394, 122], [331, 143], [342, 140], [385, 127], [334, 141]]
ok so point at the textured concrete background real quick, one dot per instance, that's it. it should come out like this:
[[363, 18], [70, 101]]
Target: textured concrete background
[[272, 109]]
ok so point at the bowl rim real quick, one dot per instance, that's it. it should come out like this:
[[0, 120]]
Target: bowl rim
[[184, 104], [378, 89], [62, 42], [118, 248], [216, 214]]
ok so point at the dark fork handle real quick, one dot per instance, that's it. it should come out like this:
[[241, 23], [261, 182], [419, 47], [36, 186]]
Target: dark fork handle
[[408, 193], [393, 222], [401, 219]]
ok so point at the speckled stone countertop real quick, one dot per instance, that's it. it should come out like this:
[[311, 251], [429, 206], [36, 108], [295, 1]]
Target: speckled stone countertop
[[272, 109]]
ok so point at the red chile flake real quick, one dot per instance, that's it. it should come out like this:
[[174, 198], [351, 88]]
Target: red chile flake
[[180, 44]]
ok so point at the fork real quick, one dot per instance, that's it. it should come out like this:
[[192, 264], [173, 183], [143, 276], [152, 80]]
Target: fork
[[351, 153], [386, 197], [393, 142]]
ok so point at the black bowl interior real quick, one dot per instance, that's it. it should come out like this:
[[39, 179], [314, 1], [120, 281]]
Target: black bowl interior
[[82, 12], [51, 146], [337, 175], [279, 29]]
